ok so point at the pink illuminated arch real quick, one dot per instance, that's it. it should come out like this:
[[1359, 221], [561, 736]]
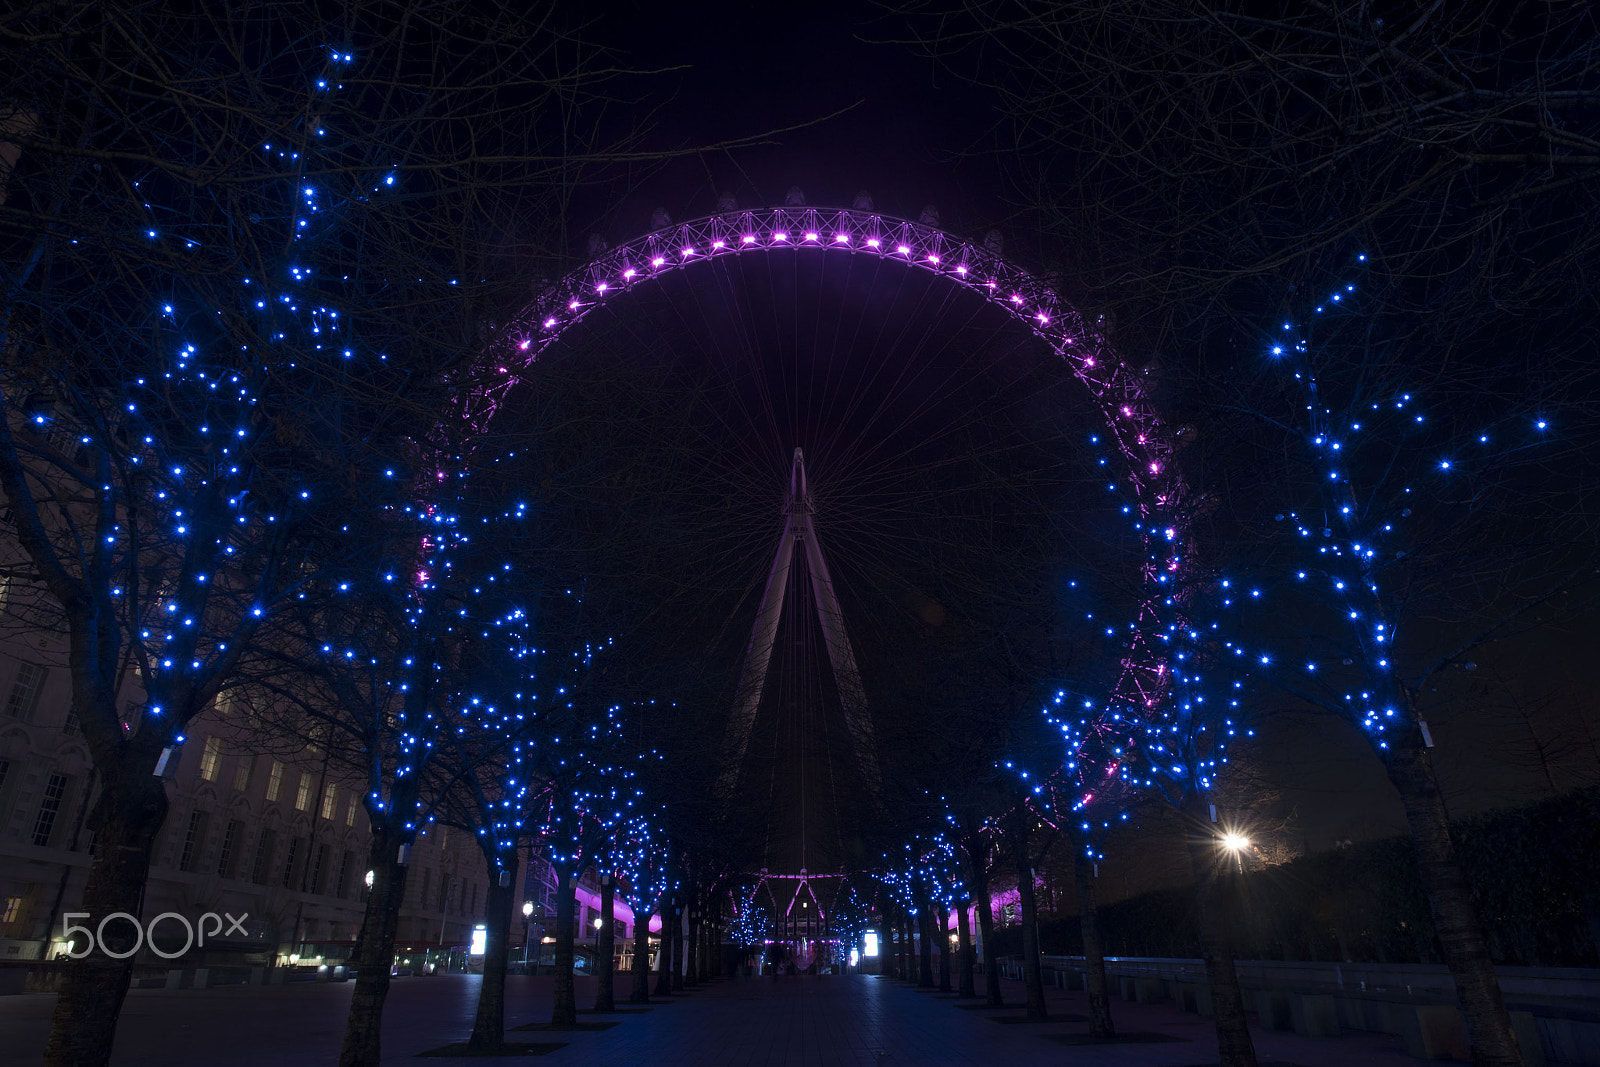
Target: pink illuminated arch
[[1132, 422]]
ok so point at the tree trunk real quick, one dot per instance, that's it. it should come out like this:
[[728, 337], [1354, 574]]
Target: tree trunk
[[966, 987], [1028, 909], [664, 953], [489, 1027], [910, 924], [375, 954], [942, 915], [991, 973], [1094, 956], [680, 952], [605, 997], [1455, 919], [925, 932], [1234, 1046], [564, 1012], [641, 958], [126, 820], [691, 952]]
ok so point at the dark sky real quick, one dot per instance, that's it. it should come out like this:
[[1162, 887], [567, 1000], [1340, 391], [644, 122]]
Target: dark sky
[[899, 129], [911, 135]]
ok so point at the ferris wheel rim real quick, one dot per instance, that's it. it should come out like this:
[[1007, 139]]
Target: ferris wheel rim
[[1132, 421]]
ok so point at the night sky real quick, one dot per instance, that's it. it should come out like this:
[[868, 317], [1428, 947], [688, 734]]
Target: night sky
[[886, 120]]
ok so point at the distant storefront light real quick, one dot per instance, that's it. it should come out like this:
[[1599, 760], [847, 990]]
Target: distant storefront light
[[480, 940], [871, 943]]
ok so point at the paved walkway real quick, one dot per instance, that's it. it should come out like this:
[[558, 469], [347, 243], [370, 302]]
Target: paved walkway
[[733, 1022]]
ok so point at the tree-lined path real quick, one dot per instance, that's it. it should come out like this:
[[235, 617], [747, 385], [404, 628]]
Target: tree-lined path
[[730, 1023]]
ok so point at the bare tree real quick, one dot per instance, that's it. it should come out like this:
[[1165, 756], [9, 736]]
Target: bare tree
[[1212, 173], [240, 249]]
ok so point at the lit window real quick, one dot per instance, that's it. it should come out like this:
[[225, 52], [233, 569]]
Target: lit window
[[25, 691], [211, 759]]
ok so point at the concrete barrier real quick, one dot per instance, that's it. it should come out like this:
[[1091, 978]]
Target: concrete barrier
[[1149, 990], [1314, 1015], [1432, 1031], [1526, 1027], [1273, 1007]]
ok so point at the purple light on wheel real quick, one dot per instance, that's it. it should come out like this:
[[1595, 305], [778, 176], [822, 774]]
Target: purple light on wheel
[[549, 323], [903, 250], [718, 244], [687, 252], [841, 238], [658, 261], [1016, 298], [780, 237], [524, 345], [572, 306], [748, 239], [873, 242], [1042, 317], [962, 270], [629, 273], [602, 287], [933, 259], [811, 237]]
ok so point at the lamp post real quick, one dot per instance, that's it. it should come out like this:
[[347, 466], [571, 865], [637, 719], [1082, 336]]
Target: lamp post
[[527, 913], [1236, 843]]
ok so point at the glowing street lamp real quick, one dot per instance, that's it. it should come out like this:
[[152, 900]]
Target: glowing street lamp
[[1236, 843], [527, 913]]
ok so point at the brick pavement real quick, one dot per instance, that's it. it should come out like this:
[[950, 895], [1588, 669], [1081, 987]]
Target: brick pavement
[[729, 1023]]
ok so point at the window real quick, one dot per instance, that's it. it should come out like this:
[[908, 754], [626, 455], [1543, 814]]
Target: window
[[444, 891], [319, 868], [25, 691], [72, 727], [211, 759], [261, 868], [474, 909], [54, 790], [347, 866], [328, 795], [350, 811], [5, 580], [230, 848], [275, 780], [194, 841], [241, 773], [422, 897], [11, 910], [302, 796], [292, 862]]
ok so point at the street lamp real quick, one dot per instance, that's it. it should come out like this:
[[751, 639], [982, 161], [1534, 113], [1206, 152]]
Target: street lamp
[[527, 913], [1236, 843]]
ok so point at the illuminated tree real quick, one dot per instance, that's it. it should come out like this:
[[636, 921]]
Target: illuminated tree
[[240, 249], [1207, 169]]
